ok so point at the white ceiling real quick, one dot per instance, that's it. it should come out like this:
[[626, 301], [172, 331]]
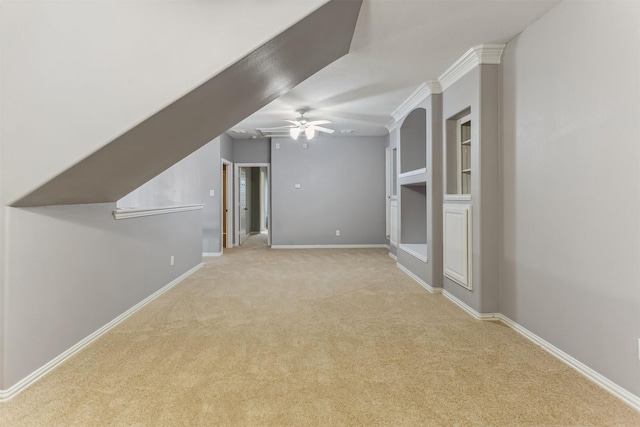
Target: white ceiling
[[397, 45]]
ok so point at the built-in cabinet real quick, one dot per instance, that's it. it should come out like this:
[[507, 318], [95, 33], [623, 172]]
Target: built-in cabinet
[[447, 136], [470, 105], [457, 246]]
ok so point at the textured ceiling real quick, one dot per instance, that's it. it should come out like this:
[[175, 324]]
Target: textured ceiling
[[397, 45]]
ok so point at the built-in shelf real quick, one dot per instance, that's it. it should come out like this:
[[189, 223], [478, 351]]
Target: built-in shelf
[[466, 170], [457, 197], [467, 142], [413, 173], [414, 177]]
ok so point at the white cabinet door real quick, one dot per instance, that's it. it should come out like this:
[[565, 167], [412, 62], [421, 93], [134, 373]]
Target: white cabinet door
[[457, 243], [393, 220]]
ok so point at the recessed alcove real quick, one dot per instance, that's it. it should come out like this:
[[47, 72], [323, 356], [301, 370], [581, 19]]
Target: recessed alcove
[[413, 184], [413, 141]]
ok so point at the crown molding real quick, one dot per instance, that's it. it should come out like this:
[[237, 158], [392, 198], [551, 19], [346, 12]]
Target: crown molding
[[481, 54], [392, 125], [431, 87]]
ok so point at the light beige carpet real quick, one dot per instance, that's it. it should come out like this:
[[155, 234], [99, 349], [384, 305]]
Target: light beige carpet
[[264, 337]]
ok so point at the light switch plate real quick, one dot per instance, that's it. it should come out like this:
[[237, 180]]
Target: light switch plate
[[212, 193], [298, 186], [277, 145]]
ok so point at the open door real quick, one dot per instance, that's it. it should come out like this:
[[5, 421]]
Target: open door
[[252, 201]]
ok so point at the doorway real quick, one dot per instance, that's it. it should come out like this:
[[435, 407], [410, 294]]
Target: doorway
[[252, 201], [226, 216]]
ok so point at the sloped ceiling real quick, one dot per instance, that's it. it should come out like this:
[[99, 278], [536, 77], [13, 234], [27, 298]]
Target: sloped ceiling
[[206, 112]]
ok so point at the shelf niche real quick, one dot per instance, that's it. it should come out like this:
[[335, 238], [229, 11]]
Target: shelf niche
[[413, 137], [413, 217], [458, 154], [413, 184]]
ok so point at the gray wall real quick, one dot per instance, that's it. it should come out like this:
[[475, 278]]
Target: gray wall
[[570, 186], [252, 150], [342, 188], [226, 147], [85, 268], [185, 183]]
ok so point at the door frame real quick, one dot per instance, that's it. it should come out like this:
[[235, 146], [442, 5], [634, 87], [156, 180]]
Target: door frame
[[236, 199], [227, 216]]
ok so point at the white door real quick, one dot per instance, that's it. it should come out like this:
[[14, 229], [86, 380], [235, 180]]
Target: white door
[[243, 204]]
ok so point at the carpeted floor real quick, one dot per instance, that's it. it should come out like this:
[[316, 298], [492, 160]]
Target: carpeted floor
[[263, 337]]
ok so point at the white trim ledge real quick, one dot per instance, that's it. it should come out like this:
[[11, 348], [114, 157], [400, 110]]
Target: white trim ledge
[[422, 283], [608, 385], [126, 213], [17, 388], [212, 253], [414, 253], [456, 197], [412, 173], [382, 245], [393, 256]]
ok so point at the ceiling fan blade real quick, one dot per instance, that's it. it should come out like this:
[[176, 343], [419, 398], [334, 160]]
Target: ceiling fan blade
[[319, 122], [295, 122], [321, 129], [281, 127]]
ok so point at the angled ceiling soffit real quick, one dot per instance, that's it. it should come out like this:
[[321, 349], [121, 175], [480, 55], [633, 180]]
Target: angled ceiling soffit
[[206, 112]]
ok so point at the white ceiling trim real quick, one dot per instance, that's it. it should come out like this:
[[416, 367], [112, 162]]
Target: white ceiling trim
[[482, 54]]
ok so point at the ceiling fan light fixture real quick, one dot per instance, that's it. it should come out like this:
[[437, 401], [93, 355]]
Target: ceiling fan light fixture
[[310, 132], [294, 132]]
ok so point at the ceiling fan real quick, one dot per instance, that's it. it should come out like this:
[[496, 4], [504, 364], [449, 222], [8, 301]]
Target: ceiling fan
[[302, 126]]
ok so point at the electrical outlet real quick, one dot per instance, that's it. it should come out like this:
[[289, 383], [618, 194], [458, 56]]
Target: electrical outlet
[[277, 145], [305, 145], [172, 260], [337, 232], [212, 193]]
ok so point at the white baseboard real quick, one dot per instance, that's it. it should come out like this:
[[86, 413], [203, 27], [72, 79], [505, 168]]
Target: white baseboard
[[422, 283], [621, 393], [328, 246], [468, 309], [212, 253], [393, 257], [613, 388], [39, 373]]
